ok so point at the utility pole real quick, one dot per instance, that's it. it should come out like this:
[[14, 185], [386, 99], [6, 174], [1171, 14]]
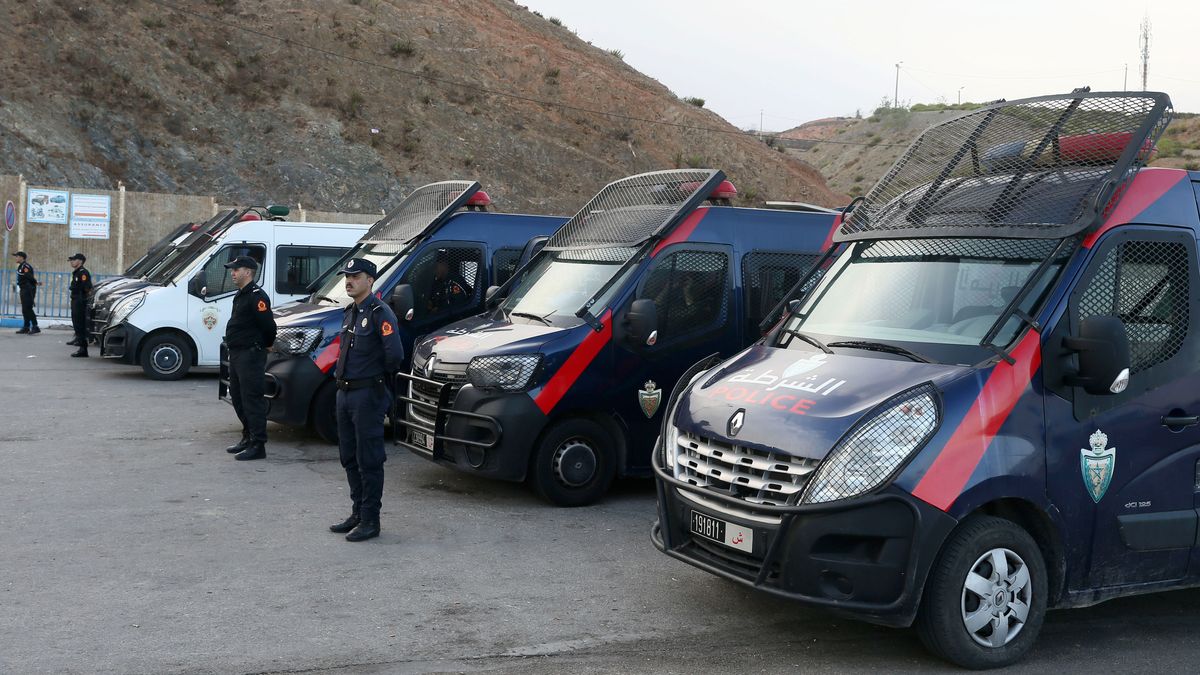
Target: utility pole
[[896, 94], [760, 116], [960, 94], [1144, 41], [1125, 82]]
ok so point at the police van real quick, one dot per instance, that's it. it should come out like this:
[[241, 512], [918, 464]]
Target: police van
[[436, 253], [983, 405], [176, 319], [561, 381], [135, 274]]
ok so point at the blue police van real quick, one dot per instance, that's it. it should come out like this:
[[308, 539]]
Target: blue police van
[[436, 253], [981, 404], [561, 381]]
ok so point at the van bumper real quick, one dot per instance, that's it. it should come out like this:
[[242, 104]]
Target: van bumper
[[866, 557], [121, 343], [291, 383], [485, 433]]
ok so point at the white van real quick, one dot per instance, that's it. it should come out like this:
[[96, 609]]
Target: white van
[[177, 320]]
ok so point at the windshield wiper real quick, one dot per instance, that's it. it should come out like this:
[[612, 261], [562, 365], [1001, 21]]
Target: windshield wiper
[[319, 298], [809, 339], [882, 347], [527, 315]]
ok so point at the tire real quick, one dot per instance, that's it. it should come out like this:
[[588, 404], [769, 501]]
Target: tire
[[949, 602], [166, 357], [574, 463], [324, 413]]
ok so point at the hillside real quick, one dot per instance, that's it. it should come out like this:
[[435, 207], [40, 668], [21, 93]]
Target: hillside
[[185, 102], [866, 148]]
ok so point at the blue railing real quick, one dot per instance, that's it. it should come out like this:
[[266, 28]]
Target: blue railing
[[53, 296]]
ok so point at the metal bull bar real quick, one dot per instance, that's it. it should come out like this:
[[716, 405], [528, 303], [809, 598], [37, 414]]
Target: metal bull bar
[[440, 413]]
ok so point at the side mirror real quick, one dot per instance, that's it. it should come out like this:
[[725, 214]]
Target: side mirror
[[402, 302], [196, 286], [1103, 349], [642, 322], [489, 294]]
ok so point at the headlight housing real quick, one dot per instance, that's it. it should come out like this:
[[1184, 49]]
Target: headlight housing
[[870, 454], [125, 307], [670, 432], [510, 372], [297, 340]]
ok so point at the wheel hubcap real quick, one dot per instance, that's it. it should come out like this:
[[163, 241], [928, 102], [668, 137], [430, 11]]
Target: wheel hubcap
[[996, 597], [166, 359], [574, 463]]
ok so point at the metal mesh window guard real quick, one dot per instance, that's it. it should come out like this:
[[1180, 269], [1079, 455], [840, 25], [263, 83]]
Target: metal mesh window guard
[[1037, 167], [630, 211], [504, 263], [444, 280], [766, 278], [1145, 284], [420, 209], [690, 290]]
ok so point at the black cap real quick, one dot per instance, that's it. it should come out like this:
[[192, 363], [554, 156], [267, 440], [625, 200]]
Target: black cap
[[21, 254], [356, 265], [242, 261], [78, 256]]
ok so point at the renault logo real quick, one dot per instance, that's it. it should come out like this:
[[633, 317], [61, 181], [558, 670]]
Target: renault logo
[[736, 422]]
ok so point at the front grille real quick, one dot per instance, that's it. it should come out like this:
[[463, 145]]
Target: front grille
[[768, 478], [453, 373], [743, 564], [99, 318]]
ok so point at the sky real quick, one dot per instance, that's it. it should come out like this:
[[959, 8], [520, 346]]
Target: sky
[[786, 63]]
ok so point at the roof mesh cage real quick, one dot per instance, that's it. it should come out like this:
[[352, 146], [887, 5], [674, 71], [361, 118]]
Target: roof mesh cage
[[629, 211], [1034, 168], [422, 208]]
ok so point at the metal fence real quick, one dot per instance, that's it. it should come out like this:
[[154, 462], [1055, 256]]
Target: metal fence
[[53, 295]]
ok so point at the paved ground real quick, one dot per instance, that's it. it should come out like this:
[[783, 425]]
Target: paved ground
[[132, 543]]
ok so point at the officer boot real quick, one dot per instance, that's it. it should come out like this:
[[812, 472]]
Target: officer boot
[[366, 529], [24, 330], [255, 450], [239, 446], [346, 525], [35, 330], [82, 351], [73, 342]]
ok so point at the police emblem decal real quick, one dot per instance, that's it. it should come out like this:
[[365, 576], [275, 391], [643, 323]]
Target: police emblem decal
[[649, 397], [208, 316], [736, 421], [1097, 464]]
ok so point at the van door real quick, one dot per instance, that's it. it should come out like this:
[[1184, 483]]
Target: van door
[[207, 316], [1122, 468], [692, 288]]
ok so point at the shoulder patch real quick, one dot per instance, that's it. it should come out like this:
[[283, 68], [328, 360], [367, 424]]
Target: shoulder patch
[[262, 305], [386, 329], [83, 277]]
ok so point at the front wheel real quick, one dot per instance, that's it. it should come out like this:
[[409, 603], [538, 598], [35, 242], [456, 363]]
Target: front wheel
[[985, 600], [166, 357], [574, 463]]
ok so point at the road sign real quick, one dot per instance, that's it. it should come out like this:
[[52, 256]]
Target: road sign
[[10, 215]]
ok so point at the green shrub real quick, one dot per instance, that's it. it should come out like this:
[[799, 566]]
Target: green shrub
[[402, 48], [696, 101], [1169, 147]]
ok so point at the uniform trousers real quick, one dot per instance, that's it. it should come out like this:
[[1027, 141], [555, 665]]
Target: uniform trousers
[[79, 318], [247, 384], [27, 314], [360, 416]]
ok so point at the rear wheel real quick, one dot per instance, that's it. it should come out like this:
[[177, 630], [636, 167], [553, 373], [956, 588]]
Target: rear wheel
[[166, 357], [985, 599], [324, 413], [574, 463]]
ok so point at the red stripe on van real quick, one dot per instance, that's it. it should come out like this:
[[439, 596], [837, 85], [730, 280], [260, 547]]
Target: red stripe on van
[[574, 366], [837, 222], [682, 231], [327, 358], [946, 477], [1148, 186]]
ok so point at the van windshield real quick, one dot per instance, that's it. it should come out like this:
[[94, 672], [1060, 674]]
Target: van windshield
[[333, 290], [927, 291], [560, 283]]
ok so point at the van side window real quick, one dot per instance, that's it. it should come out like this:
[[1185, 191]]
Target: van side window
[[504, 263], [298, 266], [690, 290], [1145, 284], [445, 280], [766, 278], [217, 278]]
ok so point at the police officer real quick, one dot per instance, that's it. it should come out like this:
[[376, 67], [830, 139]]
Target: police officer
[[448, 288], [81, 288], [370, 352], [250, 331], [27, 288]]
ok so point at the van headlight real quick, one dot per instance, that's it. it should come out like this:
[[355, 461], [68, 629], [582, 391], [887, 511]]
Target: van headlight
[[870, 454], [510, 372], [670, 432], [297, 340], [125, 307]]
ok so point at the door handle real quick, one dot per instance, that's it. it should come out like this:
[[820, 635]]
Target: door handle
[[1180, 420]]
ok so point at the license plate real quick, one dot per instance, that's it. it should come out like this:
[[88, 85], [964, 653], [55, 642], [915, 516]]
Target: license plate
[[729, 534], [423, 440]]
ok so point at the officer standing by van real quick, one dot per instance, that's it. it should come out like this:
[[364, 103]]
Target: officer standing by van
[[370, 353], [250, 331], [81, 288], [27, 288]]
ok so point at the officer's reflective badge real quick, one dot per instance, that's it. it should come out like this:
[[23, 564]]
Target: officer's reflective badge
[[386, 328], [649, 397], [1097, 464], [262, 305], [364, 322], [209, 317]]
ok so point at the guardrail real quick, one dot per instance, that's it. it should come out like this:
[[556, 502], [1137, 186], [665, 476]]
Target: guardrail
[[53, 297]]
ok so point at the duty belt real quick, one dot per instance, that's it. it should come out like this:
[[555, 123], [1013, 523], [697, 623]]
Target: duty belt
[[349, 385]]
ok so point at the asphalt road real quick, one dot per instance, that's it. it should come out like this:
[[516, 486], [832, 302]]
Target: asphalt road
[[131, 542]]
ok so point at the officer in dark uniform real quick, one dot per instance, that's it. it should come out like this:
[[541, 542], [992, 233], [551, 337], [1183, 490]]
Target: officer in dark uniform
[[448, 288], [250, 331], [81, 288], [370, 353], [27, 288]]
